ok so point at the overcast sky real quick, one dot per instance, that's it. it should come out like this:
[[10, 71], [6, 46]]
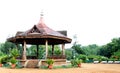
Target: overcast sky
[[93, 21]]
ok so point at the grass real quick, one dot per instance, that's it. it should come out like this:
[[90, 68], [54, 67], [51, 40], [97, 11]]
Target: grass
[[19, 66], [59, 67], [43, 67], [63, 66]]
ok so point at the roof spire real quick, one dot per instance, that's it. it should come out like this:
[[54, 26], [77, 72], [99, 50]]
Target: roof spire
[[41, 17], [41, 13]]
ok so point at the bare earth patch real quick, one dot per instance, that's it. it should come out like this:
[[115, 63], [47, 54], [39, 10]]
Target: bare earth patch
[[86, 68]]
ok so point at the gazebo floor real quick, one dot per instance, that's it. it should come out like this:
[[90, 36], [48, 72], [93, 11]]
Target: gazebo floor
[[34, 63]]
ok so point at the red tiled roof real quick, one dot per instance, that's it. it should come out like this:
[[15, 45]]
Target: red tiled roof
[[41, 31]]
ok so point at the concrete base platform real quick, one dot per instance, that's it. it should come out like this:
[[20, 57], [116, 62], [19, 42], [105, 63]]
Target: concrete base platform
[[34, 63]]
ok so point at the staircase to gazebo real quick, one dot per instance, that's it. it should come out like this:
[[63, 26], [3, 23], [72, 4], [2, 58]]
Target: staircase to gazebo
[[33, 62]]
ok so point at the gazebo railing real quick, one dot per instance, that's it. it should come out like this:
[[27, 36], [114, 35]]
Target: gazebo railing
[[32, 57], [57, 57], [49, 57], [28, 57]]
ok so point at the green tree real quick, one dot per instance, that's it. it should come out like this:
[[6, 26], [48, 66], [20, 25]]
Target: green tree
[[78, 49], [57, 50], [116, 55], [109, 49], [68, 53], [41, 52], [91, 49], [32, 51], [104, 51], [5, 47]]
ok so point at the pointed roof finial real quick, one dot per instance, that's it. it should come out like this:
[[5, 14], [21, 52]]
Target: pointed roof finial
[[41, 17], [41, 13]]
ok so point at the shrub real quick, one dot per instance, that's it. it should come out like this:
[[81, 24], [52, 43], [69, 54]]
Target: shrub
[[1, 59], [15, 53], [116, 55], [6, 58], [13, 61], [104, 58], [97, 58], [78, 61], [49, 61], [83, 57], [111, 59], [75, 62]]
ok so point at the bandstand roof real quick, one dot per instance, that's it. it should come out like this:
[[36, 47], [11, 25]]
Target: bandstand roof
[[38, 34]]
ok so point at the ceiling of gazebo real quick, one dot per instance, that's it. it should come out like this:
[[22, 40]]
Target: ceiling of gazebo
[[38, 34]]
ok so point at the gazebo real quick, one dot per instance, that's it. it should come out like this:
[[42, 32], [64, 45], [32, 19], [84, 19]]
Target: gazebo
[[40, 34]]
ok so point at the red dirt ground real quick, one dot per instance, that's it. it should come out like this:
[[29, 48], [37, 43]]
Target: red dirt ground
[[86, 68]]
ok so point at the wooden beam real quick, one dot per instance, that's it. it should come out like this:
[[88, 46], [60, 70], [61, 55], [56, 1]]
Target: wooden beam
[[46, 48], [63, 49], [52, 50], [24, 57], [16, 46]]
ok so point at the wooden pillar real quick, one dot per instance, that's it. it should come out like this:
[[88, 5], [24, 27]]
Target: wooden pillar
[[63, 49], [24, 51], [46, 48], [37, 50], [16, 46], [18, 49], [52, 50]]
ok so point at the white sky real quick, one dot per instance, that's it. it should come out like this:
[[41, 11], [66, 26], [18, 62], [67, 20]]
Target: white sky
[[93, 21]]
